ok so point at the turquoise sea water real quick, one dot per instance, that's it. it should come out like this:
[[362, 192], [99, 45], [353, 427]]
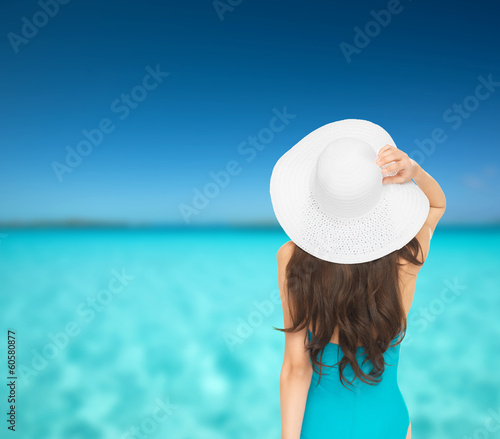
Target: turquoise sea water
[[168, 333]]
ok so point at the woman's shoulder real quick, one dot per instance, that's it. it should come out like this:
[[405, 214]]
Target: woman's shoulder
[[285, 251]]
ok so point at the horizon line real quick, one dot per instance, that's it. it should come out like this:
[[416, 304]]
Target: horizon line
[[72, 223]]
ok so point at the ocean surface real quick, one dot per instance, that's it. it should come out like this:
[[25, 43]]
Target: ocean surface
[[167, 333]]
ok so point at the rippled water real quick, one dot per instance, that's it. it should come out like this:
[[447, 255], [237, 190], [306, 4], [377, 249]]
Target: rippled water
[[168, 333]]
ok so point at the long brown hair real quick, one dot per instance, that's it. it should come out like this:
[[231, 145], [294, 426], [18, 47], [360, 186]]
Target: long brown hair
[[358, 299]]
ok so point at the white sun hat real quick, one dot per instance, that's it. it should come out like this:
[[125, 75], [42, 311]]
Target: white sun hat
[[328, 196]]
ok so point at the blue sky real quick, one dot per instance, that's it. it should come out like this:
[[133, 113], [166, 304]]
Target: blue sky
[[229, 74]]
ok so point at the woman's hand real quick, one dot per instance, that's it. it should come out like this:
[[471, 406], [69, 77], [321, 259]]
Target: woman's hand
[[405, 167]]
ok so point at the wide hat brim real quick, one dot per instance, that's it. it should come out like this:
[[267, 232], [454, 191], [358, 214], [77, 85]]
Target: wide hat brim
[[390, 225]]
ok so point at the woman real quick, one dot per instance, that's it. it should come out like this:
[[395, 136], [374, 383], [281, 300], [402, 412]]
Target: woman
[[360, 215]]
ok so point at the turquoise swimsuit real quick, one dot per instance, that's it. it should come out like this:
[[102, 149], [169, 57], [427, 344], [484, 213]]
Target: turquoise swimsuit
[[363, 411]]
